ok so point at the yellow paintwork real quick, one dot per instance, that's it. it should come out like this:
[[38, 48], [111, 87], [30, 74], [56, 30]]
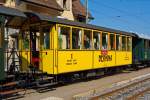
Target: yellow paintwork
[[25, 60], [102, 64], [54, 61], [70, 61], [46, 61], [123, 58]]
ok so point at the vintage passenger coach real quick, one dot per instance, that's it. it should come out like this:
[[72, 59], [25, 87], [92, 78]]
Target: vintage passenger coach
[[52, 50], [58, 46]]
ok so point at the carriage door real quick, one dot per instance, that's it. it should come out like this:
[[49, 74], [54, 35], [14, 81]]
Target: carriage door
[[41, 52], [35, 47], [46, 51]]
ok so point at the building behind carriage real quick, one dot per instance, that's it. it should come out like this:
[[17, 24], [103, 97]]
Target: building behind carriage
[[67, 9]]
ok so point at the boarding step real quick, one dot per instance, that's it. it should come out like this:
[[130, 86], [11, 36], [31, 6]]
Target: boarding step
[[10, 76], [45, 78], [46, 85], [45, 82], [8, 92], [10, 84], [141, 66], [36, 72]]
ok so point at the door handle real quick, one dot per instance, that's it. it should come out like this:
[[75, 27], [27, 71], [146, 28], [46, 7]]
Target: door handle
[[44, 53]]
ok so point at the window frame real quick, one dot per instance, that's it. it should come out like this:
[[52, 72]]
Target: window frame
[[91, 38], [114, 41], [22, 40], [119, 46], [100, 41], [50, 28], [122, 49], [73, 27], [70, 36], [148, 44], [129, 44], [107, 34]]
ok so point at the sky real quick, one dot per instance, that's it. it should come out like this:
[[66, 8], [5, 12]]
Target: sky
[[125, 15]]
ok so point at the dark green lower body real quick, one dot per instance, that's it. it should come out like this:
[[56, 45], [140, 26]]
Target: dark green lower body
[[141, 54], [2, 72], [147, 54]]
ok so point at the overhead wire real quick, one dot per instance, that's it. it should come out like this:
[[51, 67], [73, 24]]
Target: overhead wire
[[115, 19], [125, 21], [135, 16]]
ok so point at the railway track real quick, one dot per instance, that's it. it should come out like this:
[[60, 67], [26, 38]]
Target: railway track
[[145, 96], [135, 89]]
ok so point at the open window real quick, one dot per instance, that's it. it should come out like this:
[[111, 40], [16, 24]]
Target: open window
[[129, 44], [96, 40], [123, 43], [87, 39], [46, 37], [26, 40], [76, 38], [149, 44], [104, 41], [112, 41], [35, 38], [63, 37], [146, 44], [118, 42]]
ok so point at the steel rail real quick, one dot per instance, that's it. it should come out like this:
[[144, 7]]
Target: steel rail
[[129, 92]]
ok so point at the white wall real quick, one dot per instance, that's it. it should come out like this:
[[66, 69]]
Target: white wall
[[67, 13]]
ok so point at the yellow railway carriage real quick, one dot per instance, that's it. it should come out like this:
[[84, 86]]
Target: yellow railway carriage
[[58, 46]]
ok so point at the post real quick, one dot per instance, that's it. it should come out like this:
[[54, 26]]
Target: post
[[87, 15], [2, 48]]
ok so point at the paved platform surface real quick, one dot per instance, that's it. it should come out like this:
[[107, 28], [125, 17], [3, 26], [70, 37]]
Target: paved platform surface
[[68, 91]]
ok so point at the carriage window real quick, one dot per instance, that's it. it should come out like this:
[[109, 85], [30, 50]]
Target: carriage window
[[37, 41], [112, 42], [149, 43], [145, 44], [118, 42], [96, 40], [46, 37], [64, 37], [129, 44], [104, 41], [76, 38], [26, 40], [123, 43], [87, 39]]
